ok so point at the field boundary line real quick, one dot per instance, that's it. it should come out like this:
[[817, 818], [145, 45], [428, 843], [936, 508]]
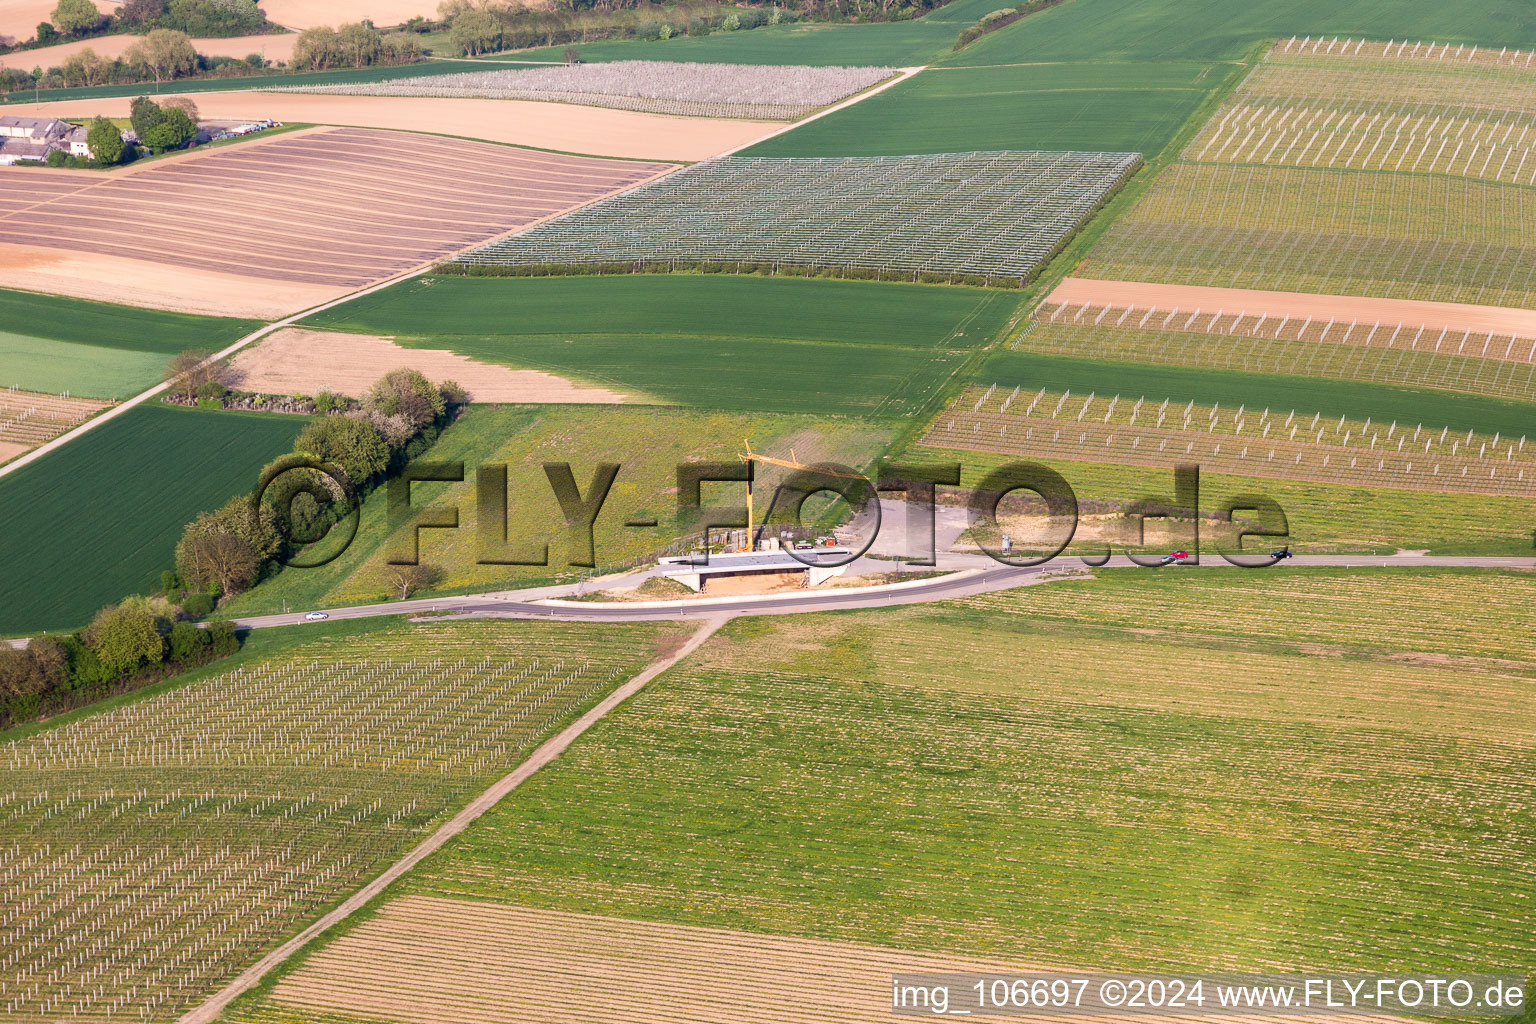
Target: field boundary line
[[550, 749], [906, 73]]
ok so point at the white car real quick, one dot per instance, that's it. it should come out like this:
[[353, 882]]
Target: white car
[[315, 616]]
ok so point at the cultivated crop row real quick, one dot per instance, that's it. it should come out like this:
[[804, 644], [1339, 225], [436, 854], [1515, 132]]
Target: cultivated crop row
[[772, 92], [1385, 109], [27, 417], [149, 853], [990, 215], [1502, 365], [1284, 444], [1329, 231], [916, 783]]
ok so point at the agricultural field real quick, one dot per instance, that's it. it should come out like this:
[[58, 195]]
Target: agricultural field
[[1103, 30], [1064, 799], [710, 341], [99, 518], [56, 345], [978, 216], [1322, 518], [357, 218], [649, 445], [1460, 110], [1240, 441], [890, 44], [28, 418], [1349, 173], [180, 837], [951, 109], [768, 92], [1352, 400], [1498, 366]]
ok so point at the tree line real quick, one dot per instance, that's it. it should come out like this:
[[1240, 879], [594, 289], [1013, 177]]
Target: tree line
[[141, 640], [127, 645], [485, 26], [79, 19], [224, 552]]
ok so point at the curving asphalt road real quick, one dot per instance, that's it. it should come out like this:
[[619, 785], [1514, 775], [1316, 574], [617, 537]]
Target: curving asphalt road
[[546, 603]]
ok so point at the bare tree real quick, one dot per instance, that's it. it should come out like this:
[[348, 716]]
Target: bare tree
[[405, 580], [187, 371]]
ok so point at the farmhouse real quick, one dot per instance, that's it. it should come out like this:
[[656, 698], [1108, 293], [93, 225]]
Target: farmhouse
[[748, 571], [33, 138]]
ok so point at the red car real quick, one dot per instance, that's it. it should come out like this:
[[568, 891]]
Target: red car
[[1174, 558]]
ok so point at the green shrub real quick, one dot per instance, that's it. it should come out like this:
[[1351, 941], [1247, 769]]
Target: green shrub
[[222, 638], [198, 605], [187, 644]]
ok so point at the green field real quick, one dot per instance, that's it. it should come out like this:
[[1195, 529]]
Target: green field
[[1084, 106], [42, 364], [1268, 356], [54, 344], [113, 326], [1138, 771], [99, 518], [1107, 30], [892, 44], [648, 444], [264, 801], [713, 341], [1332, 398]]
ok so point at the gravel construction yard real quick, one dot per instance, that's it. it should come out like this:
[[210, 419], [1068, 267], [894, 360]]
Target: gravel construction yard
[[333, 208], [772, 92]]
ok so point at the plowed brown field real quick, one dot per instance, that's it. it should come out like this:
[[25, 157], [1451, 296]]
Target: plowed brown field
[[427, 960], [296, 361], [337, 208]]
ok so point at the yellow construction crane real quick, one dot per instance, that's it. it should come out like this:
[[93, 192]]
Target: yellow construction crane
[[749, 456]]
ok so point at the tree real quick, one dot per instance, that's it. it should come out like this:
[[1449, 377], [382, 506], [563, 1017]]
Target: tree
[[173, 132], [217, 558], [351, 443], [38, 668], [408, 394], [223, 639], [227, 547], [46, 34], [360, 43], [475, 31], [124, 637], [186, 104], [106, 142], [75, 17], [141, 12], [187, 371], [164, 53], [186, 643], [144, 114], [85, 68], [405, 580], [236, 516], [316, 49]]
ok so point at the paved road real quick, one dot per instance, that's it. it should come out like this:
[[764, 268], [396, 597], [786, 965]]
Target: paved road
[[984, 577]]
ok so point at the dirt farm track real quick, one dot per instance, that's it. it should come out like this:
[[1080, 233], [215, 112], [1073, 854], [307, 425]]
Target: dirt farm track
[[329, 209]]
